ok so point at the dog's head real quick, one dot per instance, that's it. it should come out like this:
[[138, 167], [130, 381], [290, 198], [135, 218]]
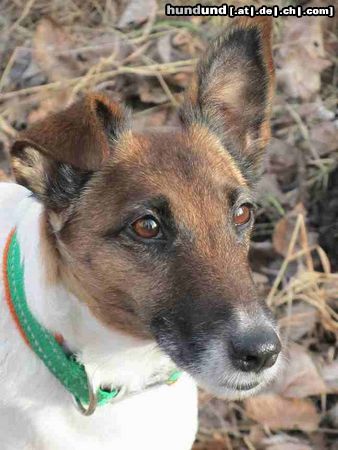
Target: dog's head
[[152, 230]]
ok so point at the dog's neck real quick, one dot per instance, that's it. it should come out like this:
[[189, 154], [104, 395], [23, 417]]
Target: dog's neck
[[110, 357]]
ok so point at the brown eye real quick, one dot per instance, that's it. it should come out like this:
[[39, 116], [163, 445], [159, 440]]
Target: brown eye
[[146, 227], [242, 215]]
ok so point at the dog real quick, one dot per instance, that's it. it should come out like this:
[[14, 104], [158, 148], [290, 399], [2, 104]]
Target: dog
[[125, 275]]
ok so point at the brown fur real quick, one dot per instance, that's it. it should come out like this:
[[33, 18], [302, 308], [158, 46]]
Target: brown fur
[[197, 174], [199, 202]]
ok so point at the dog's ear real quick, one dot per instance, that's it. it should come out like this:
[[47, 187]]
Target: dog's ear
[[55, 157], [232, 89]]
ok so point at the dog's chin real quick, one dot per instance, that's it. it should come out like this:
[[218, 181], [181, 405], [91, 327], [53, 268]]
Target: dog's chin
[[237, 385], [230, 392]]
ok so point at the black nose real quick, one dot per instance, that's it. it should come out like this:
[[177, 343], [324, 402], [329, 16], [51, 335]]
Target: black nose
[[255, 350]]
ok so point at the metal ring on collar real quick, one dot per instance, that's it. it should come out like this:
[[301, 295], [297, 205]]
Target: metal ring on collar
[[87, 410]]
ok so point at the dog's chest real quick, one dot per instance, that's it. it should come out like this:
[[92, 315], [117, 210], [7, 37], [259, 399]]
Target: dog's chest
[[164, 419]]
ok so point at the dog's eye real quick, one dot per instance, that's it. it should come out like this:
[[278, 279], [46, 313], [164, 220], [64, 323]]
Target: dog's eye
[[242, 215], [146, 227]]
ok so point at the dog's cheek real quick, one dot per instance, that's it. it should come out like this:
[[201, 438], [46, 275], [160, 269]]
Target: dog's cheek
[[120, 287]]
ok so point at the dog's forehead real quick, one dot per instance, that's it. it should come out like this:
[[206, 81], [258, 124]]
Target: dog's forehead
[[193, 155], [190, 170]]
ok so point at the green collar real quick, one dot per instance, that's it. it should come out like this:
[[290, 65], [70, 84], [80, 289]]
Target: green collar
[[70, 372]]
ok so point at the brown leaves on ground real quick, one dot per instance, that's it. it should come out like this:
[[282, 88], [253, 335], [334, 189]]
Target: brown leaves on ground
[[287, 408], [278, 413], [53, 46], [53, 54], [137, 12], [284, 228], [80, 48], [300, 378], [302, 57], [300, 321], [282, 441]]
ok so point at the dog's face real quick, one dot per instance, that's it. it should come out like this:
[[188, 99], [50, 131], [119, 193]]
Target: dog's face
[[152, 230]]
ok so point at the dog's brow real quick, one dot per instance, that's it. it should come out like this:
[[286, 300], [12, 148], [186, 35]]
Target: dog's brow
[[159, 203], [239, 195]]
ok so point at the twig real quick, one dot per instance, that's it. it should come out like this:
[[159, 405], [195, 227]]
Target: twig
[[285, 263], [166, 68], [24, 14]]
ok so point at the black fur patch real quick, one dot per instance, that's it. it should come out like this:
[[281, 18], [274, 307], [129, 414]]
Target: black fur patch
[[114, 125], [63, 185]]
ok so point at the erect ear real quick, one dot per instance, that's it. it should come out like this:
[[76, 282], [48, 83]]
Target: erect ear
[[55, 157], [232, 90]]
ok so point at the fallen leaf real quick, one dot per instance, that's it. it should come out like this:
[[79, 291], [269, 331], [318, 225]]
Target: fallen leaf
[[330, 375], [151, 94], [279, 413], [53, 54], [301, 57], [256, 435], [282, 234], [268, 187], [137, 12], [316, 110], [324, 137], [212, 445], [284, 442], [284, 228], [281, 160], [300, 321], [53, 51], [213, 413], [300, 378], [164, 48]]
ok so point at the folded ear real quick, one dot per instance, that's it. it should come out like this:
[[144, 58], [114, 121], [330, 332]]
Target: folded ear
[[55, 157], [232, 89]]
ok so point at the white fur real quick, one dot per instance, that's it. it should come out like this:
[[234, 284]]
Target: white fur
[[36, 412]]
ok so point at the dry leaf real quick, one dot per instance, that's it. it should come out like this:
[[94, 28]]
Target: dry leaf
[[282, 234], [137, 12], [53, 51], [268, 187], [284, 442], [53, 54], [330, 375], [213, 445], [301, 57], [301, 320], [256, 435], [301, 377], [284, 228], [279, 413], [151, 94], [281, 160], [324, 136], [164, 48]]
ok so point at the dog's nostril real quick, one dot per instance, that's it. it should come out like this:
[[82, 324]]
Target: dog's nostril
[[255, 352]]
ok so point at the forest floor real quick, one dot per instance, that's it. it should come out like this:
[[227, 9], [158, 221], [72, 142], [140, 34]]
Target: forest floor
[[53, 51]]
